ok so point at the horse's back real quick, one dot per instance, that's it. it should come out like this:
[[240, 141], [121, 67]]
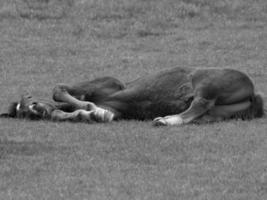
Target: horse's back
[[162, 85]]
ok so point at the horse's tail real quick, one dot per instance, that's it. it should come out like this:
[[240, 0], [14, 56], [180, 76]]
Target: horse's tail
[[257, 105]]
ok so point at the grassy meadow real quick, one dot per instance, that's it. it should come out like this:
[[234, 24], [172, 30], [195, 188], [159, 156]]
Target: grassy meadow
[[46, 42]]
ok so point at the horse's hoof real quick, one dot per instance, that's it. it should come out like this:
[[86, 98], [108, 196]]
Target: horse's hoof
[[102, 115], [159, 121]]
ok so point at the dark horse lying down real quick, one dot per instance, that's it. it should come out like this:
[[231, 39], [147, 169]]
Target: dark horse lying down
[[171, 97]]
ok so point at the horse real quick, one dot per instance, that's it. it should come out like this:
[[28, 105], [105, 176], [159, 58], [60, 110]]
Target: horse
[[170, 97]]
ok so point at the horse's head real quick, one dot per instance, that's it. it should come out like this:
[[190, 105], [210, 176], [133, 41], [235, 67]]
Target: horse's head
[[29, 108]]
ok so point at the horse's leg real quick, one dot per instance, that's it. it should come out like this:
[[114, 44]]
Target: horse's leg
[[210, 113], [198, 107], [84, 95], [222, 112], [64, 93], [205, 103], [59, 115], [82, 115]]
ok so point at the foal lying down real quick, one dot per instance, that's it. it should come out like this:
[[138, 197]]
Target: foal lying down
[[171, 97]]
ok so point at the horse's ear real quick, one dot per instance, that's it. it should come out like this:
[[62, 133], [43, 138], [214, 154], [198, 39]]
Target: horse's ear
[[12, 111], [25, 97], [4, 115]]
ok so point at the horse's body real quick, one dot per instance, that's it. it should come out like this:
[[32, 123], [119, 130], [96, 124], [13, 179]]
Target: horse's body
[[148, 97], [170, 97]]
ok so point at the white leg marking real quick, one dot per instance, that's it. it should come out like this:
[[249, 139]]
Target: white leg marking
[[168, 120], [102, 115], [18, 107]]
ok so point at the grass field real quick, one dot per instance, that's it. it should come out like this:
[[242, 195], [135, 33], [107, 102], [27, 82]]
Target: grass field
[[45, 42]]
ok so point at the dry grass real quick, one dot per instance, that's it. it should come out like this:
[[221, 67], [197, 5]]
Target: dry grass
[[129, 159]]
